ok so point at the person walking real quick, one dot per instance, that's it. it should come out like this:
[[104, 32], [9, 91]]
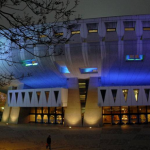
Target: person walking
[[49, 142]]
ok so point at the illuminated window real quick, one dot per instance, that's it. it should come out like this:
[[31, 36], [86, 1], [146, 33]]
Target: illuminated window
[[136, 94], [45, 118], [43, 36], [129, 29], [52, 110], [31, 62], [64, 69], [133, 119], [107, 110], [59, 119], [116, 119], [88, 70], [142, 109], [59, 34], [124, 109], [52, 119], [111, 29], [45, 110], [146, 28], [142, 118], [38, 118], [125, 94], [58, 110], [93, 31], [106, 119], [32, 118], [133, 109], [134, 57], [124, 119], [75, 32], [115, 110]]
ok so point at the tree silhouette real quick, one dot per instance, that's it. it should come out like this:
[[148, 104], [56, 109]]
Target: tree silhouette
[[24, 24]]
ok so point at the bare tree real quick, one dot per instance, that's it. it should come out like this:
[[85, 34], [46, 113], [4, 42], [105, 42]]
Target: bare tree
[[24, 23]]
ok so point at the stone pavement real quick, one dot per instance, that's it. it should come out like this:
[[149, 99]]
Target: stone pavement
[[33, 137]]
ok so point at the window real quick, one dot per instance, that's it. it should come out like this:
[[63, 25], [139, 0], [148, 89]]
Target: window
[[142, 109], [133, 109], [146, 28], [88, 70], [136, 94], [75, 32], [129, 29], [133, 119], [125, 94], [93, 31], [111, 29], [124, 119], [124, 109], [59, 34], [45, 110], [115, 110], [106, 110], [134, 57], [106, 118]]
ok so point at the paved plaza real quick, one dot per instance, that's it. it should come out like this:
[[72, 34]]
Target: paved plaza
[[33, 137]]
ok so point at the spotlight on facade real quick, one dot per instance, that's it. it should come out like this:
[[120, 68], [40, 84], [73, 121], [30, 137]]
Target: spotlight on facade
[[70, 127], [90, 127]]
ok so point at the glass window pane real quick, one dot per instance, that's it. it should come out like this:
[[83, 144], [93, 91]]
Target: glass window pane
[[39, 110], [148, 117], [38, 118], [124, 109], [142, 109], [116, 119], [142, 118], [32, 118], [45, 118], [106, 118], [52, 119], [133, 109], [125, 119], [59, 119], [58, 110], [115, 110], [32, 110], [106, 110], [45, 110], [148, 109], [133, 119], [52, 110]]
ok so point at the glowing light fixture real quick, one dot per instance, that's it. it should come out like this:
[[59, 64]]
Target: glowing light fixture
[[70, 127], [90, 127], [88, 70], [134, 57], [31, 62]]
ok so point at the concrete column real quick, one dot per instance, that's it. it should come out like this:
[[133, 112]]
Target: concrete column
[[73, 111], [93, 113], [120, 33]]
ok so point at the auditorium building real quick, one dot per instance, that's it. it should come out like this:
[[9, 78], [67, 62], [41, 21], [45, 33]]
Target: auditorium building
[[102, 78]]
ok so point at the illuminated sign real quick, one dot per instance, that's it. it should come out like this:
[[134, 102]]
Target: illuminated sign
[[31, 62], [134, 57], [88, 70]]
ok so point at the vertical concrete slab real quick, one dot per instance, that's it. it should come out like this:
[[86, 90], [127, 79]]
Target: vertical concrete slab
[[6, 113], [93, 113], [73, 110], [14, 115]]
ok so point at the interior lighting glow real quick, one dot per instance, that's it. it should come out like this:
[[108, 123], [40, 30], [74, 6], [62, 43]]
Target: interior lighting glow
[[2, 108], [60, 33], [31, 62], [64, 69], [93, 31], [129, 29], [146, 29], [70, 127], [111, 29], [90, 127], [88, 70], [134, 57], [75, 32]]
